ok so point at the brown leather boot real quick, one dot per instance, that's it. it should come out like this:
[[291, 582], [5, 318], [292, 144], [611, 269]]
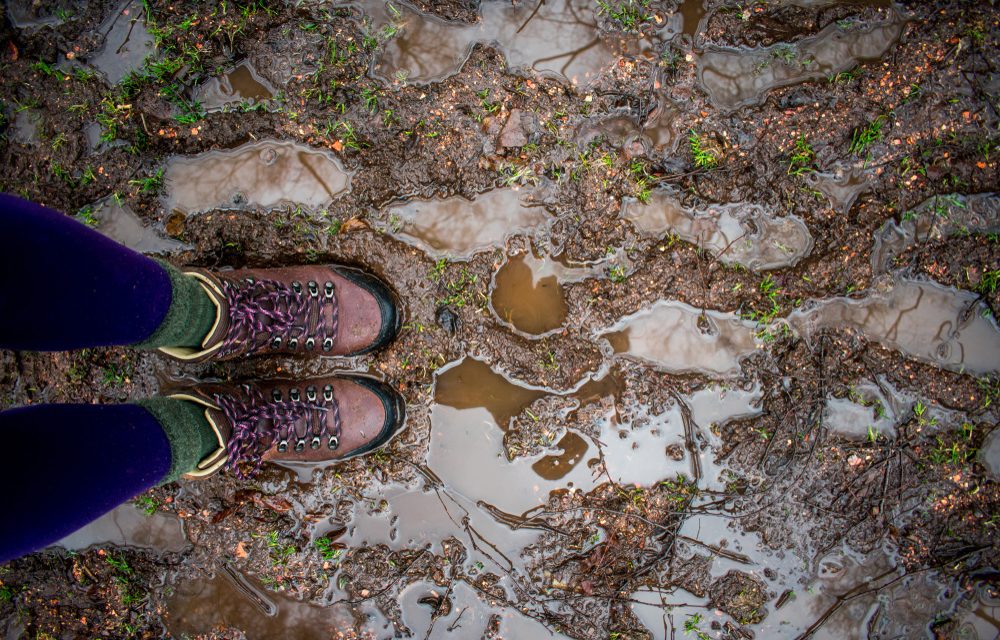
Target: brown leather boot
[[329, 310], [319, 420]]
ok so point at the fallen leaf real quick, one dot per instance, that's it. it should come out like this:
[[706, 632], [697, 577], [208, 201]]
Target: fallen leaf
[[354, 224]]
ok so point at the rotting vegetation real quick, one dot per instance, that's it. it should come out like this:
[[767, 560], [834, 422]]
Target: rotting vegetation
[[605, 558]]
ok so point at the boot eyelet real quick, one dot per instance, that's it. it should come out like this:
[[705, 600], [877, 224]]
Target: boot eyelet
[[276, 343], [293, 395], [297, 287], [300, 445], [276, 395], [315, 443], [310, 343], [328, 392], [333, 442], [311, 394], [313, 289], [327, 344], [283, 446], [328, 290], [293, 343]]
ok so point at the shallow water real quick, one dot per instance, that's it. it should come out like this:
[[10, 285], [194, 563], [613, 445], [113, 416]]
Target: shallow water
[[867, 407], [735, 78], [126, 525], [127, 43], [259, 174], [527, 295], [457, 227], [471, 384], [242, 83], [989, 454], [737, 232], [678, 338], [467, 454], [120, 223], [936, 218], [25, 14], [841, 187], [234, 600], [425, 516], [693, 13], [940, 325], [24, 126], [559, 39]]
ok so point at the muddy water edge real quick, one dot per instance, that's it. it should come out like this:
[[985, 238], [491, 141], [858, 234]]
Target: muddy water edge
[[815, 455]]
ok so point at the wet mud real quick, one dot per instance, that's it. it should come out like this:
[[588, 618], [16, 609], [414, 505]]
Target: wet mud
[[699, 305]]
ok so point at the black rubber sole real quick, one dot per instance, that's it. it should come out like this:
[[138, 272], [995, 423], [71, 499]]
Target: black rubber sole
[[392, 319]]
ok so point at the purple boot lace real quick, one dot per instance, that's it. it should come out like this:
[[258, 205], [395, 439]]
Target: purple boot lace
[[268, 312], [259, 422]]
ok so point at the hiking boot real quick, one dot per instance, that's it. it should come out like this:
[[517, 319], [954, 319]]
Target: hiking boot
[[328, 310], [320, 420]]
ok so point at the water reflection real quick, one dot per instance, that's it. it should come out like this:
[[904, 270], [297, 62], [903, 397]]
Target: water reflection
[[737, 232], [735, 78], [458, 227], [679, 338], [263, 174]]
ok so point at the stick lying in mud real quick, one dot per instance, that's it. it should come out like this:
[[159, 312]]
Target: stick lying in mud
[[717, 550]]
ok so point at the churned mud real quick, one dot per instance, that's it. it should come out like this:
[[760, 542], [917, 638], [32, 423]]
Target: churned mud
[[700, 308]]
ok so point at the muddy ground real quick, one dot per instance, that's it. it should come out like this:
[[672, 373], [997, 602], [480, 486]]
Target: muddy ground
[[672, 432]]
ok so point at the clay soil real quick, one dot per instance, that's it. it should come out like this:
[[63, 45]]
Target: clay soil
[[803, 489]]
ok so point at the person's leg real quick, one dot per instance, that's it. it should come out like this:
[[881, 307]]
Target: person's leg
[[67, 464], [66, 286]]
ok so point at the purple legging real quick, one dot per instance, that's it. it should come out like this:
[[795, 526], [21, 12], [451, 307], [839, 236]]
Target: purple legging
[[64, 286]]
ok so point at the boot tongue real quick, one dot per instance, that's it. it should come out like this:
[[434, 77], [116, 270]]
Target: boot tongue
[[220, 328]]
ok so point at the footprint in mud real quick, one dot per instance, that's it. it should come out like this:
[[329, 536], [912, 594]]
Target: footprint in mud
[[259, 174], [456, 227]]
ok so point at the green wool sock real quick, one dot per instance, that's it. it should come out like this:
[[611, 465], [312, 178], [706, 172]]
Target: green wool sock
[[191, 437], [189, 318]]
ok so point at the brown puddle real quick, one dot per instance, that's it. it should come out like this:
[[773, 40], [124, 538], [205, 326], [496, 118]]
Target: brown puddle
[[473, 384], [259, 174], [557, 37], [692, 12], [737, 232], [940, 325], [679, 338], [734, 78], [242, 83], [937, 217], [126, 42], [232, 600], [525, 296], [457, 227], [126, 525], [609, 385], [556, 466]]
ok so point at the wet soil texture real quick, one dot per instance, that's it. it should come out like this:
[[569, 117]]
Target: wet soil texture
[[700, 307]]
